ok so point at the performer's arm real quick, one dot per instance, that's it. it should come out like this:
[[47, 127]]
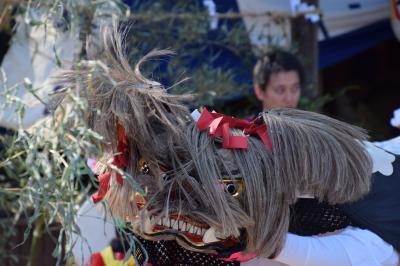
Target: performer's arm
[[350, 247]]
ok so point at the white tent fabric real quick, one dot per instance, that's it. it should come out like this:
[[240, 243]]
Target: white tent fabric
[[261, 26], [36, 52], [339, 16], [346, 15], [33, 57]]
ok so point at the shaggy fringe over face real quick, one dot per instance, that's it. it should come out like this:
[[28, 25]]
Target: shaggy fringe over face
[[318, 155], [261, 209], [311, 154], [152, 119]]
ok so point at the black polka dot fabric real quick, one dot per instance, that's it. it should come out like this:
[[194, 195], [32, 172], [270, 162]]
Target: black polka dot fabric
[[170, 253]]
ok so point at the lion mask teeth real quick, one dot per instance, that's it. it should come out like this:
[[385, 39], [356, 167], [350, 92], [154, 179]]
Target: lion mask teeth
[[209, 236]]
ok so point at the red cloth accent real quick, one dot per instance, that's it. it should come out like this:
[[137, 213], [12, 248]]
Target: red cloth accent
[[104, 185], [261, 131], [119, 255], [240, 257], [120, 161], [95, 260], [220, 124]]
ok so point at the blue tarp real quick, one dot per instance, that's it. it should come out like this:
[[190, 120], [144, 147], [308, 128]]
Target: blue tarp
[[342, 47], [331, 51]]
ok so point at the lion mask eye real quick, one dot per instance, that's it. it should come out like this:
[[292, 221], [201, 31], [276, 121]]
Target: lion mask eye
[[144, 168], [233, 187]]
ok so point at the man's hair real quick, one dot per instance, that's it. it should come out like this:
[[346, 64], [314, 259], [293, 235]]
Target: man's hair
[[274, 62]]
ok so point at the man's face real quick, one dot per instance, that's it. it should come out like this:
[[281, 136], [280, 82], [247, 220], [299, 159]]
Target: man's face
[[283, 90]]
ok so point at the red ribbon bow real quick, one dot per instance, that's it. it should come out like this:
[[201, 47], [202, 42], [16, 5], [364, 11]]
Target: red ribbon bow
[[220, 124], [120, 161]]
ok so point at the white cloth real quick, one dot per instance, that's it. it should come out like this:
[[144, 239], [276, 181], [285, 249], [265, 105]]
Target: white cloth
[[392, 145], [350, 247], [96, 231], [382, 161]]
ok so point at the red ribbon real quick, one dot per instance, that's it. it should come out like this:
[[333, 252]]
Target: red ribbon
[[120, 161], [220, 125]]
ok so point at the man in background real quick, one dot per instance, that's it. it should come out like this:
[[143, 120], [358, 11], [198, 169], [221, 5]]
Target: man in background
[[278, 78]]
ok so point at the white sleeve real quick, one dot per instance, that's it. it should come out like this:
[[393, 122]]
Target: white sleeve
[[350, 247]]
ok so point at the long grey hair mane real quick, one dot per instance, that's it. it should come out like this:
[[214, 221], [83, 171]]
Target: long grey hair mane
[[311, 154]]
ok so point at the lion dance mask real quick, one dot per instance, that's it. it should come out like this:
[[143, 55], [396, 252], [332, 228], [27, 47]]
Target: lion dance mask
[[213, 183]]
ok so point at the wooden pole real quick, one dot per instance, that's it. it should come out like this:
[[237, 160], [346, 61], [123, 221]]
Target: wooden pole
[[305, 38], [35, 244]]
